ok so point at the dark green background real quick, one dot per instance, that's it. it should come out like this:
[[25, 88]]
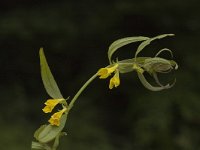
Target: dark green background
[[75, 35]]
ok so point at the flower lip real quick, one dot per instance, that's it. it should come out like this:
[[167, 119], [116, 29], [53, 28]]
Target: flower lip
[[103, 73], [115, 80], [55, 118], [50, 104]]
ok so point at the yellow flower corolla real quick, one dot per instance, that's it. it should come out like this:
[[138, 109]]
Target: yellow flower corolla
[[55, 118], [50, 104], [105, 72], [138, 68], [114, 81]]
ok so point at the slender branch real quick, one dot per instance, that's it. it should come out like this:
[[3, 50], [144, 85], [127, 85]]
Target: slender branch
[[80, 91]]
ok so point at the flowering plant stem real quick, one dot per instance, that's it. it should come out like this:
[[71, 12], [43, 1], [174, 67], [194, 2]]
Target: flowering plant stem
[[48, 135], [80, 91]]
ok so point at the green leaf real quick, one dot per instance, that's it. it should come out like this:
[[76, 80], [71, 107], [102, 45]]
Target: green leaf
[[174, 64], [162, 50], [40, 129], [37, 145], [47, 78], [147, 42], [122, 42], [158, 82], [47, 133], [157, 64], [149, 86]]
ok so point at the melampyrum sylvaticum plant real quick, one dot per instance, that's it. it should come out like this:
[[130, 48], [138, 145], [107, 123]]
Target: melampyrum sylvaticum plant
[[48, 135]]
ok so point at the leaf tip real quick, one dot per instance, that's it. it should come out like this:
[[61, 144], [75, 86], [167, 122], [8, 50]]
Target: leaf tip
[[41, 50], [171, 34]]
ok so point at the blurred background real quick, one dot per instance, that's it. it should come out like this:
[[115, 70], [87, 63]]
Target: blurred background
[[76, 36]]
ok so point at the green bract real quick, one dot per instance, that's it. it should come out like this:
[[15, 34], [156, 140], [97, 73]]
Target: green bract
[[151, 65]]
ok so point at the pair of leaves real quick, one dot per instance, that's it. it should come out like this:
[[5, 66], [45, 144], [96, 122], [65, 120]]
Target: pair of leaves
[[151, 87], [47, 133], [122, 42], [128, 40]]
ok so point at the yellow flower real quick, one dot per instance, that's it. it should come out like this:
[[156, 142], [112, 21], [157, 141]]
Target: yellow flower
[[55, 118], [105, 72], [114, 81], [50, 104], [138, 68]]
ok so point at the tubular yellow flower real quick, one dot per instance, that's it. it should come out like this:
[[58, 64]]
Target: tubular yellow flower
[[114, 81], [50, 104], [55, 118], [105, 72], [138, 68]]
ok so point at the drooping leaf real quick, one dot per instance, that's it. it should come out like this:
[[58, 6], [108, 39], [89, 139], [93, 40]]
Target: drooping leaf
[[162, 50], [156, 79], [47, 78], [158, 82], [147, 42], [49, 132], [122, 42], [149, 86]]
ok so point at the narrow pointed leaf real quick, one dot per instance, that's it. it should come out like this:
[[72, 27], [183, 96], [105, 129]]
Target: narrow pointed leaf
[[122, 42], [47, 78], [147, 42]]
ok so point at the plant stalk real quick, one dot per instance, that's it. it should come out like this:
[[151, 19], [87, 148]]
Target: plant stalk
[[80, 91]]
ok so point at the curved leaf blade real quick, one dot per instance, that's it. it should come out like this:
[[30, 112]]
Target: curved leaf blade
[[47, 77], [147, 42], [148, 85], [122, 42]]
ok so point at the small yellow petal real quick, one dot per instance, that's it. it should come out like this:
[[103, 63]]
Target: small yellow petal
[[105, 72], [47, 109], [50, 104], [54, 121], [55, 118], [114, 81]]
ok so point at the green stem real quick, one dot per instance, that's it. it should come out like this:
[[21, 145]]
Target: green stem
[[80, 91]]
